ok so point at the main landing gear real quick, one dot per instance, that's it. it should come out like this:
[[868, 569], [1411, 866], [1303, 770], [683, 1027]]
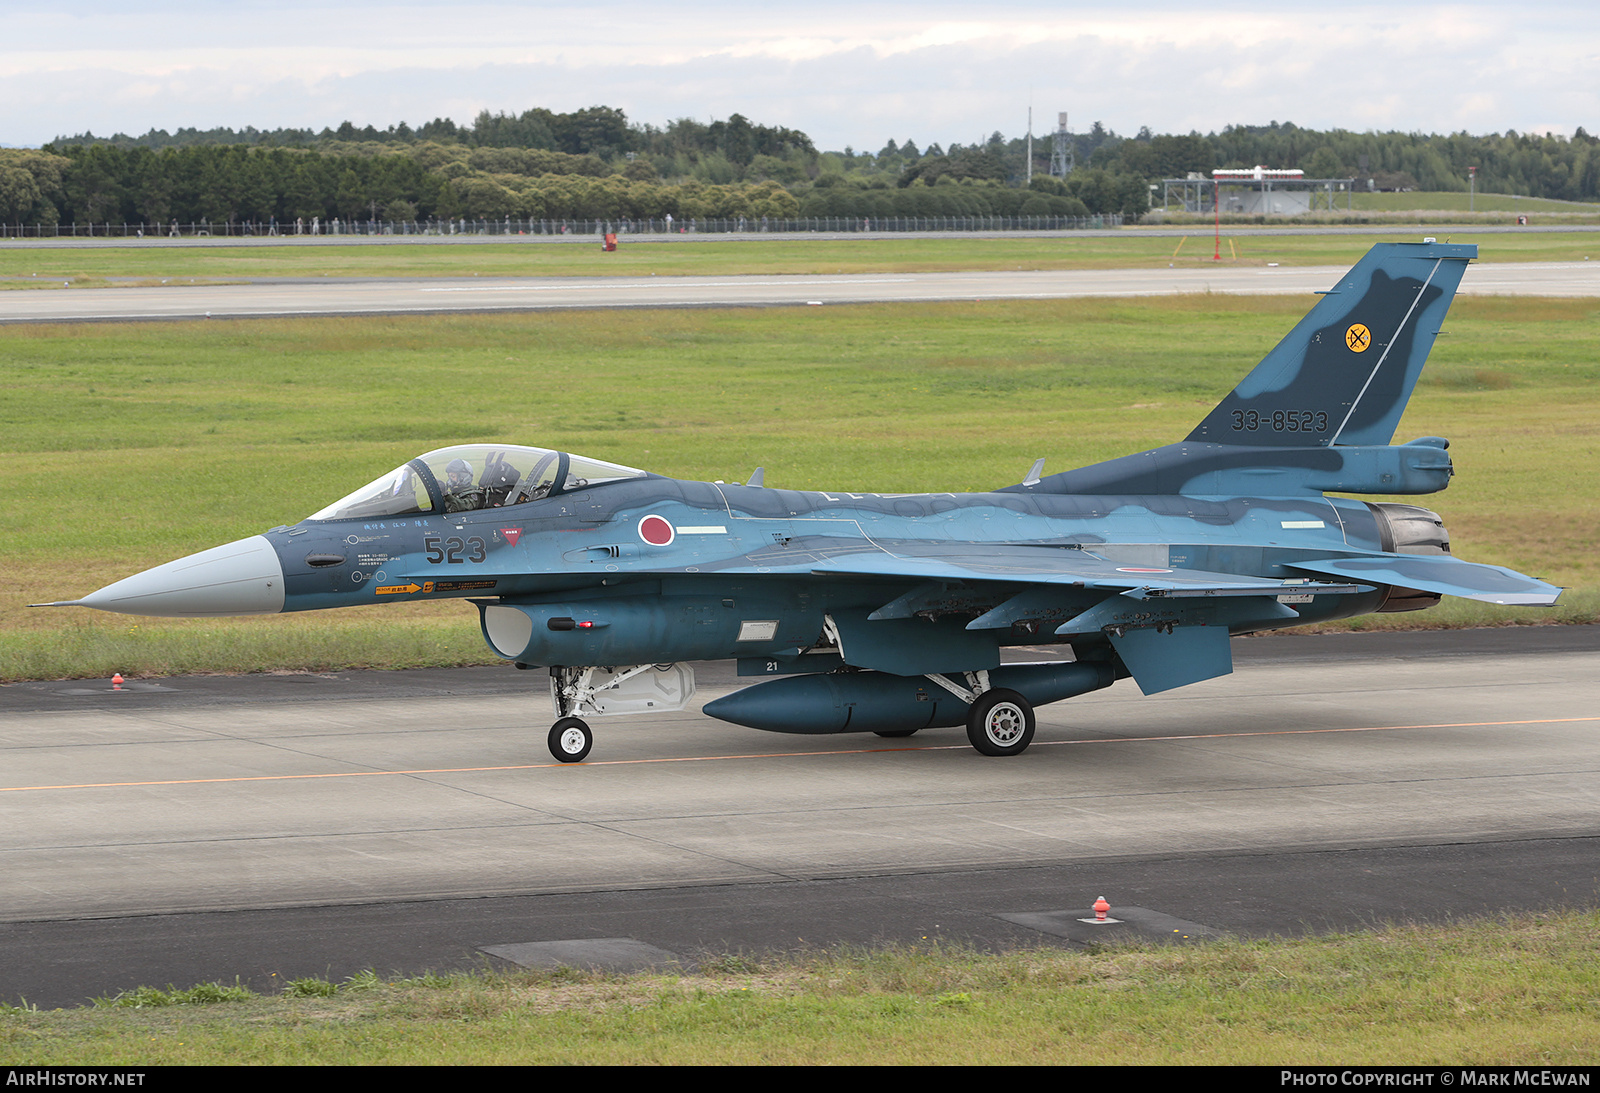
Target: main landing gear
[[1000, 723]]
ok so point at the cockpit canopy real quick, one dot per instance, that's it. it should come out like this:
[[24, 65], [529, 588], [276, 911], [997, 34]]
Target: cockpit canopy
[[474, 476]]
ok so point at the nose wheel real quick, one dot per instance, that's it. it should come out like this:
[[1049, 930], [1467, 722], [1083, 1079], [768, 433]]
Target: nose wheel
[[570, 740]]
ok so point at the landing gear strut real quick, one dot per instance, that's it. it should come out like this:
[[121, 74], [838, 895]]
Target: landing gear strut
[[599, 691], [571, 737]]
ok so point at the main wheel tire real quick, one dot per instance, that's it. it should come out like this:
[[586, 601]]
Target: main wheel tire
[[1000, 723], [570, 740]]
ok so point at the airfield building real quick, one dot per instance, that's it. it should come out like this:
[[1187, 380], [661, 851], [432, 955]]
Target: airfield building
[[1255, 191]]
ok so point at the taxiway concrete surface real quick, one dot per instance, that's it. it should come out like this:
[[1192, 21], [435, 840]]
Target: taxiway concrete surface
[[342, 296], [207, 827]]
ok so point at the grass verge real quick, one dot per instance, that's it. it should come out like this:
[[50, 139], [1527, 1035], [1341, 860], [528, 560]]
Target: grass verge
[[1522, 990], [1462, 201], [67, 268]]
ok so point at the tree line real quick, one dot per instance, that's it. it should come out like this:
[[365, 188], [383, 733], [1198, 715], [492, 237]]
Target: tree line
[[232, 183], [595, 164], [1533, 165]]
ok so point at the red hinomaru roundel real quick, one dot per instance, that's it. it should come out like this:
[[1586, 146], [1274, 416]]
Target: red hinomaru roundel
[[656, 530]]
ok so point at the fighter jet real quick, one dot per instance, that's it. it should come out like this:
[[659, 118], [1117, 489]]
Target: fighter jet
[[888, 613]]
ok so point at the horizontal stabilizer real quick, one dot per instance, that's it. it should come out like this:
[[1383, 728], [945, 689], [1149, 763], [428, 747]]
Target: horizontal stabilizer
[[1438, 573]]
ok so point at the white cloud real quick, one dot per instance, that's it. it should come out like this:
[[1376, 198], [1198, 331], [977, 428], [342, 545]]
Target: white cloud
[[847, 74]]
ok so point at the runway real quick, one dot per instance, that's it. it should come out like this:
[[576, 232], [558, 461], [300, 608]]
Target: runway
[[339, 296], [395, 807]]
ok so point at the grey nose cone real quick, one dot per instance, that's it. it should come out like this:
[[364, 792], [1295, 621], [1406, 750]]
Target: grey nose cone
[[243, 578]]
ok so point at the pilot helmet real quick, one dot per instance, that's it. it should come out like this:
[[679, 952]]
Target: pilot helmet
[[459, 472]]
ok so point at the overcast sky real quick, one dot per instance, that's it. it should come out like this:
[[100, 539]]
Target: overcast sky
[[846, 73]]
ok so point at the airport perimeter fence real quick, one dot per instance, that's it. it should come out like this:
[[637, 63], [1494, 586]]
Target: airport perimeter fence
[[510, 227]]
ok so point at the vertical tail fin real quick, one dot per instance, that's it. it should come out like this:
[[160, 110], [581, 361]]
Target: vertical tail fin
[[1343, 375]]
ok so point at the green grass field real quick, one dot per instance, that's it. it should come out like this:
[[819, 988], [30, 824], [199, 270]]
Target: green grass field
[[1419, 200], [52, 268], [128, 445], [1513, 991]]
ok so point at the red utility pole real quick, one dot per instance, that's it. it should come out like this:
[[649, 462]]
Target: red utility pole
[[1216, 205]]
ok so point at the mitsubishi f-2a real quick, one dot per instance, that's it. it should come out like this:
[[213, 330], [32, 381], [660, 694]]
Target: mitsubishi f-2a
[[888, 613]]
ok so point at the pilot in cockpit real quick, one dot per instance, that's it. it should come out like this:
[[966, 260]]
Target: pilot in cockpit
[[460, 495]]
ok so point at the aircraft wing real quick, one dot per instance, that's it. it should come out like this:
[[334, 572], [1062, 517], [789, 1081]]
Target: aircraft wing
[[1054, 566], [1061, 566], [1438, 573], [1170, 626]]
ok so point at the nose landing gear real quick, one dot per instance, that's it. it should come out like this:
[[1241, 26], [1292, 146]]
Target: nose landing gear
[[570, 739]]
